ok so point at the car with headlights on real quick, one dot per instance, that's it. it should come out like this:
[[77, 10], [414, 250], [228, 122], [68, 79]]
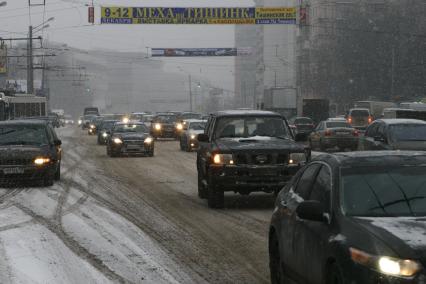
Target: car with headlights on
[[131, 138], [246, 151], [163, 125], [29, 151], [334, 134], [188, 138], [105, 130], [94, 125], [395, 134], [181, 118], [85, 123], [353, 217]]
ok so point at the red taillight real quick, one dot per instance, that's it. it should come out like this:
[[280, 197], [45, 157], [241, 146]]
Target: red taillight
[[355, 133], [327, 133], [370, 119], [349, 120]]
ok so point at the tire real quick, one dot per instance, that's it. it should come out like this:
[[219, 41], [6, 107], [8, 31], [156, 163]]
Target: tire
[[202, 192], [276, 271], [151, 153], [58, 173], [181, 144], [334, 276], [310, 144], [216, 197], [187, 147], [321, 147], [108, 151], [48, 181]]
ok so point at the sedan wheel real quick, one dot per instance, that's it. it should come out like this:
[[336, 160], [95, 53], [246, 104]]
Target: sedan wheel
[[216, 197], [335, 275], [277, 275]]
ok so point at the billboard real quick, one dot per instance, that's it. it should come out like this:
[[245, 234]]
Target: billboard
[[3, 59], [183, 52], [198, 15]]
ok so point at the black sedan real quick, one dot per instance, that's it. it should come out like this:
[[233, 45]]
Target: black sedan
[[164, 125], [356, 217], [29, 150], [105, 130], [130, 139]]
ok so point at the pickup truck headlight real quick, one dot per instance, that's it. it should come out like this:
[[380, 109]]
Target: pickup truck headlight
[[193, 136], [117, 140], [148, 140], [223, 159], [41, 161], [92, 126], [386, 265], [157, 126], [297, 158]]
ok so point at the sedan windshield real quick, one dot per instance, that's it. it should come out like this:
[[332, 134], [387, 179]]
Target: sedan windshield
[[384, 192], [166, 118], [270, 126], [23, 135], [121, 128], [408, 132], [338, 125]]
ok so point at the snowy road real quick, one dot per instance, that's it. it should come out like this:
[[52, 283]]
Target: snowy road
[[130, 220]]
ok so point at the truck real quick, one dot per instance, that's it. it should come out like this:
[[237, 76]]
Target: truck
[[16, 106], [316, 109], [91, 111], [375, 107], [282, 100]]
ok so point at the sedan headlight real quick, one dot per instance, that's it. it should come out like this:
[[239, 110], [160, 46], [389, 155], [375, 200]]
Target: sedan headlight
[[41, 161], [193, 136], [80, 122], [223, 159], [117, 140], [386, 265], [179, 126], [104, 135], [125, 120], [148, 140], [297, 158], [157, 126], [92, 126]]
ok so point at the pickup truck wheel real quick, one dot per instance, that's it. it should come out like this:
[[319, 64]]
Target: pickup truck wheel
[[216, 197], [202, 192], [48, 181], [58, 173]]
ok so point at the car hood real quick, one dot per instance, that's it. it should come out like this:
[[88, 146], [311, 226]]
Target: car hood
[[132, 136], [196, 132], [410, 145], [258, 143], [405, 236], [23, 152]]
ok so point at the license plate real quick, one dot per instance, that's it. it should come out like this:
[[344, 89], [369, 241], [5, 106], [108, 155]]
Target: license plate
[[342, 133], [9, 171], [134, 147]]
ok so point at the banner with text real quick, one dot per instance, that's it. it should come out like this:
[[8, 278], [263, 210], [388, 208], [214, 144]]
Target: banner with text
[[3, 59], [200, 15], [181, 52]]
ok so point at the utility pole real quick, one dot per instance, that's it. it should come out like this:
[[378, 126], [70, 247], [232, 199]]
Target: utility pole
[[30, 72], [190, 92]]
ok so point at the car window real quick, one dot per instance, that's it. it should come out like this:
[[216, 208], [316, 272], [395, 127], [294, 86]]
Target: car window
[[381, 130], [303, 188], [408, 132], [319, 127], [338, 124], [372, 130], [321, 189]]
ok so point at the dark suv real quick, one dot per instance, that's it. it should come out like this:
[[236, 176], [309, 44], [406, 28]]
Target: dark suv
[[29, 150], [163, 125], [246, 151]]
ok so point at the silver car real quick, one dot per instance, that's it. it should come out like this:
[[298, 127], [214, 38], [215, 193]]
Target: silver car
[[188, 138]]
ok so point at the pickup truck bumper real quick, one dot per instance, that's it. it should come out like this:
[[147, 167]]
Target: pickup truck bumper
[[251, 178]]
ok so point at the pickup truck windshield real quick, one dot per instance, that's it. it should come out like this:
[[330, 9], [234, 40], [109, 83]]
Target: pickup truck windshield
[[248, 126]]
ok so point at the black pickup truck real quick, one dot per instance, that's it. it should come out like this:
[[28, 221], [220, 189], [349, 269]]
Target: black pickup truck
[[246, 151]]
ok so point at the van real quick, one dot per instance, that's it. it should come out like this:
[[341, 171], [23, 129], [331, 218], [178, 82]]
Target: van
[[359, 118]]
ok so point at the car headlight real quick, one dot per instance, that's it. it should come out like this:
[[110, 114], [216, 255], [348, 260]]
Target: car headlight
[[296, 158], [157, 126], [148, 140], [92, 126], [223, 159], [125, 120], [386, 265], [179, 126], [80, 121], [41, 161], [193, 136], [117, 140], [104, 135]]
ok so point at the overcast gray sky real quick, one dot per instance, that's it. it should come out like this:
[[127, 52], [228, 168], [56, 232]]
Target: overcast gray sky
[[71, 27]]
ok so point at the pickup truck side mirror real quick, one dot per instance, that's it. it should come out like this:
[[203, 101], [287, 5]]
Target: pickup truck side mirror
[[57, 142], [203, 138]]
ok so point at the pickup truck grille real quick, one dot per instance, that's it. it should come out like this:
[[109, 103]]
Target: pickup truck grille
[[261, 158], [15, 162]]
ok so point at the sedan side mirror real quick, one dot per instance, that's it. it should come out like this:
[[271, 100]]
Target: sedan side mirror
[[311, 210], [203, 138], [57, 142]]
